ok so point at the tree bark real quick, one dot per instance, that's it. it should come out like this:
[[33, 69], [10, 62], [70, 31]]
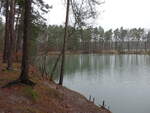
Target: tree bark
[[64, 44], [19, 33], [11, 35], [25, 58], [6, 37]]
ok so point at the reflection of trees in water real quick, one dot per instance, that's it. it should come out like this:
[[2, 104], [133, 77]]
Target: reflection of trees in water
[[94, 63], [50, 60]]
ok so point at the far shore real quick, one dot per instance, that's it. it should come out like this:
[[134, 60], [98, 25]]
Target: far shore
[[139, 52]]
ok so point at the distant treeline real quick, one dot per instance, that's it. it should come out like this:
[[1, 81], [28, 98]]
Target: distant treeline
[[96, 39], [89, 39]]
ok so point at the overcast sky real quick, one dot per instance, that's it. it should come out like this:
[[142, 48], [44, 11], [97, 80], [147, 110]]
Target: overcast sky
[[113, 14]]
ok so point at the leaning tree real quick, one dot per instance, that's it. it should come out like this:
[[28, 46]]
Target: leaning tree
[[83, 11]]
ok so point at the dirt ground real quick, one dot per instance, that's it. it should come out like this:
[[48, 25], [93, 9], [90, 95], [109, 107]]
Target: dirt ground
[[45, 97]]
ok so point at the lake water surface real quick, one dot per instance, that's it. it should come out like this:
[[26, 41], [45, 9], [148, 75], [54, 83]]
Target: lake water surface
[[123, 81]]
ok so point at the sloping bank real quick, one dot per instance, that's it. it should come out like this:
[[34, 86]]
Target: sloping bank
[[45, 97]]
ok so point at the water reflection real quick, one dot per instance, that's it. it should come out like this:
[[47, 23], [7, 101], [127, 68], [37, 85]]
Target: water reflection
[[122, 80]]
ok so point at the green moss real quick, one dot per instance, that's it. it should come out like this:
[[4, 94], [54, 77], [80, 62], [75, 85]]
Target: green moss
[[31, 93]]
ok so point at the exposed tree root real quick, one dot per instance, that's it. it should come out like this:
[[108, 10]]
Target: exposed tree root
[[19, 81]]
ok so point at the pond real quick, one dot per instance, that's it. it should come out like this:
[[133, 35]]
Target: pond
[[123, 81]]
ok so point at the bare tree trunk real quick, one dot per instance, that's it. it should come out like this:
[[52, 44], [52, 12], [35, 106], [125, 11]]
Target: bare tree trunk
[[19, 33], [12, 35], [24, 77], [6, 38], [145, 45], [64, 44]]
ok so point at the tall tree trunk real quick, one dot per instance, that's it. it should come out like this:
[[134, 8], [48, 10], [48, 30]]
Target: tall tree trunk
[[24, 78], [6, 37], [19, 33], [12, 35], [25, 58], [64, 44]]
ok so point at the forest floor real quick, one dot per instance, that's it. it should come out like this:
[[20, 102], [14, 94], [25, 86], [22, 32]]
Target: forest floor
[[44, 97]]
